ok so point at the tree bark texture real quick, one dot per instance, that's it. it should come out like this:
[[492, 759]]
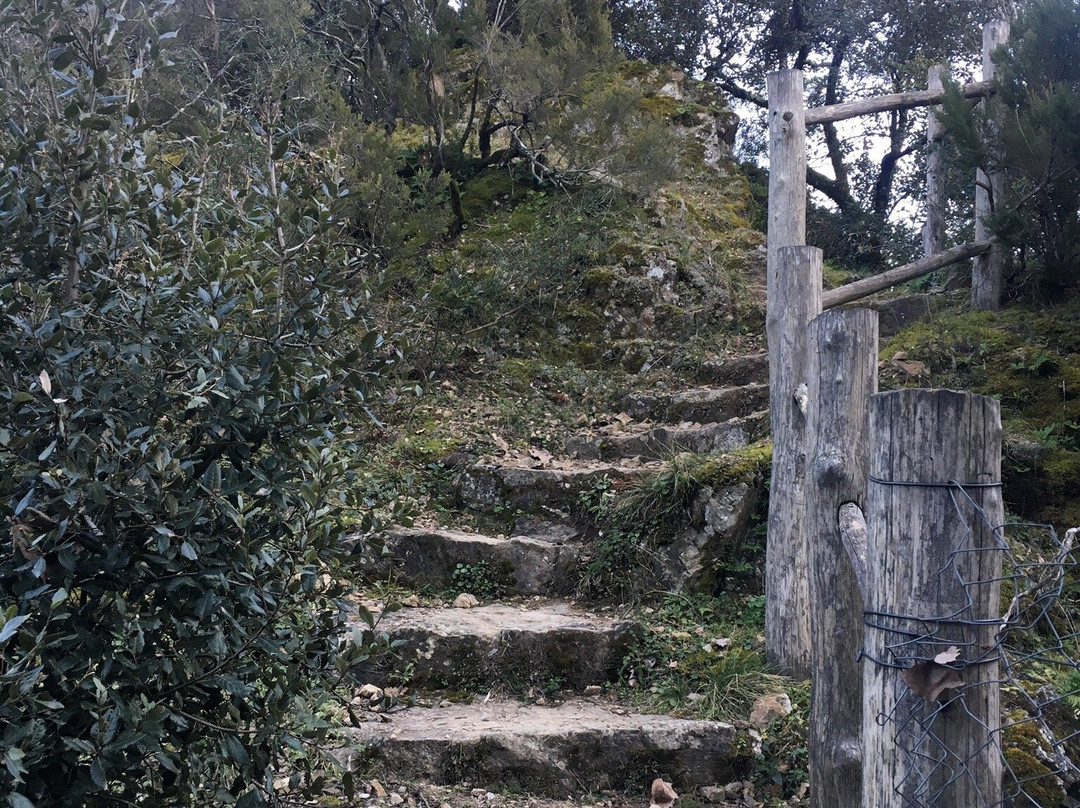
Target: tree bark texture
[[986, 273], [794, 299], [934, 563], [843, 352]]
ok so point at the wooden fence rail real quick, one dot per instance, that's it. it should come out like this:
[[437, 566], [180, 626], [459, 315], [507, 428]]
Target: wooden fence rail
[[908, 272], [887, 103]]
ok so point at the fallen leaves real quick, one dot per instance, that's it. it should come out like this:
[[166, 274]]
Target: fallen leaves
[[930, 678]]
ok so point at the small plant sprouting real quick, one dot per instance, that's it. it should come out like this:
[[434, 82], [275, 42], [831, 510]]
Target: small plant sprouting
[[474, 579]]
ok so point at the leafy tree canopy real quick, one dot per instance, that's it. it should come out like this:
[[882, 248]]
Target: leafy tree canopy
[[1030, 129], [847, 49]]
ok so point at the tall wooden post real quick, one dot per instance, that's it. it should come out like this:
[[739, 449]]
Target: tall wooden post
[[842, 375], [794, 295], [933, 234], [986, 274], [934, 565], [787, 627], [787, 161]]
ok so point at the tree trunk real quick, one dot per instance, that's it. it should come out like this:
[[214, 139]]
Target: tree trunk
[[933, 234], [934, 563]]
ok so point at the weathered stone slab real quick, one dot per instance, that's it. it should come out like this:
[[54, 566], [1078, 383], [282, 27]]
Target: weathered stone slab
[[522, 565], [732, 371], [500, 644], [720, 519], [572, 749], [705, 405], [545, 491], [661, 441]]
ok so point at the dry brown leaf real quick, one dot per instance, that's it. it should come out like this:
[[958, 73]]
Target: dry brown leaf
[[950, 654], [930, 678]]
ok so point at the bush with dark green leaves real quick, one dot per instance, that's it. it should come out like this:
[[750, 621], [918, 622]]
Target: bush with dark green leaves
[[186, 369]]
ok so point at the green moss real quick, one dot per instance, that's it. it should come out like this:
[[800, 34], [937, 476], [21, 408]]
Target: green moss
[[746, 465], [598, 280], [627, 252], [422, 449], [833, 277], [1034, 778], [479, 195], [1062, 469], [642, 71]]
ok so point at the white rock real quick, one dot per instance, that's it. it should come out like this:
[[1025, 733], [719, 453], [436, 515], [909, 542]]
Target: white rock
[[770, 708], [370, 691], [466, 601]]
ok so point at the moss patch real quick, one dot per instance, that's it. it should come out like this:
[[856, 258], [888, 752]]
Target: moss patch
[[1030, 360]]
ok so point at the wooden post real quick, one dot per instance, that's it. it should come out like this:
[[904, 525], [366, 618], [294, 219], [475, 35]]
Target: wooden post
[[934, 566], [843, 357], [794, 295], [787, 161], [787, 625], [933, 234], [986, 274]]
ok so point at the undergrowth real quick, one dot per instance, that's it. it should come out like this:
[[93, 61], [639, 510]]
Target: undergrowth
[[630, 522]]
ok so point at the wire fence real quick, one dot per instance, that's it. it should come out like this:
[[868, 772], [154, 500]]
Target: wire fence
[[1027, 659]]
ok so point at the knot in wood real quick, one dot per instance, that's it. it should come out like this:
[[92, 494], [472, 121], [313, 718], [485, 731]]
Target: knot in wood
[[829, 469]]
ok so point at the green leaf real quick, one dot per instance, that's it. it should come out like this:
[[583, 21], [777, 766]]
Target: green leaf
[[188, 551], [63, 58], [11, 626], [235, 750], [19, 801], [97, 123]]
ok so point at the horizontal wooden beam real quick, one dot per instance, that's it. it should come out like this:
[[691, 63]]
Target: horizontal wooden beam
[[908, 272], [884, 103]]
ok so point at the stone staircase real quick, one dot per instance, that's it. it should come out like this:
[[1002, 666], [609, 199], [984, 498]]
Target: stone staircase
[[518, 694]]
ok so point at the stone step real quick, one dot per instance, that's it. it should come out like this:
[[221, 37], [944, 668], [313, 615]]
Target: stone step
[[521, 565], [733, 371], [705, 405], [550, 492], [578, 747], [505, 646], [655, 442]]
